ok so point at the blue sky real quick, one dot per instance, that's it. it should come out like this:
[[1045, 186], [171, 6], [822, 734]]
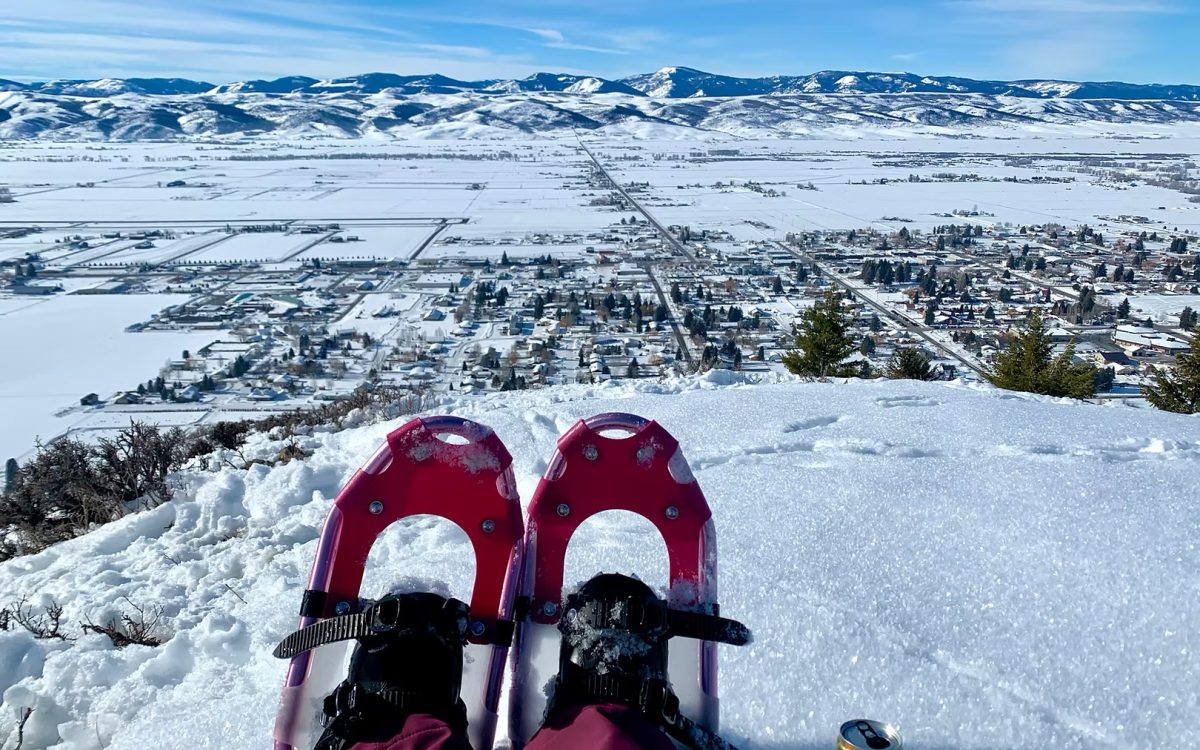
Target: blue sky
[[227, 40]]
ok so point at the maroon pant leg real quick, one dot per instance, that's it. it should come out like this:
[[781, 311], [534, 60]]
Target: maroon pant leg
[[594, 727], [599, 727], [421, 732]]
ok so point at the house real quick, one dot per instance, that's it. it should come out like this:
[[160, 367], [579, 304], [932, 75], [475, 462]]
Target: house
[[89, 400], [1139, 337], [128, 397], [191, 393], [1118, 361]]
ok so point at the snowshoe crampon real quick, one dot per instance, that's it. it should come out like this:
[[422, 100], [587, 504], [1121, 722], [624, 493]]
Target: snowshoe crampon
[[441, 466], [616, 462]]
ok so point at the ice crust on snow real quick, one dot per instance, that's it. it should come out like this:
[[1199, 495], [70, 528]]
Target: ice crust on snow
[[982, 568]]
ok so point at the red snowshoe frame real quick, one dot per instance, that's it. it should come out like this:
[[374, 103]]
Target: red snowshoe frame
[[468, 482], [644, 473]]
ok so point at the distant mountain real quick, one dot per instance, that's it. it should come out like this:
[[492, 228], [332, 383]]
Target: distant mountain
[[672, 102], [667, 83]]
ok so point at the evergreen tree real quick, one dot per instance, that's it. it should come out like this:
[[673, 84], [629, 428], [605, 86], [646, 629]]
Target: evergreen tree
[[1028, 364], [632, 370], [10, 473], [867, 346], [908, 363], [1179, 390], [1123, 309], [1187, 319], [821, 342]]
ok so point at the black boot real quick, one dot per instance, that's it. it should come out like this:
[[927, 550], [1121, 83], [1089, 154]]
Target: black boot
[[614, 643], [614, 650], [410, 663]]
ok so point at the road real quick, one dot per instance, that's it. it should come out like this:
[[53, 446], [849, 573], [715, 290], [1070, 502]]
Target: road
[[912, 327], [670, 238], [662, 300]]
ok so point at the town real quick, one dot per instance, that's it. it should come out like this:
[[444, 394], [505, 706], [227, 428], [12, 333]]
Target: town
[[293, 311]]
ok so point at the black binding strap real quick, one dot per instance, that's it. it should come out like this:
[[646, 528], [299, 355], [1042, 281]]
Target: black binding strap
[[379, 618], [313, 603], [341, 628], [646, 616]]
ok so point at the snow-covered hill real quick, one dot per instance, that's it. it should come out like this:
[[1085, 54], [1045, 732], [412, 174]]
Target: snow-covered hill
[[253, 111], [985, 569]]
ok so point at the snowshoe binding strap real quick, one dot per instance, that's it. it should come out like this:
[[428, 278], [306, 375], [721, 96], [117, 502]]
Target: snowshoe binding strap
[[652, 619], [391, 615]]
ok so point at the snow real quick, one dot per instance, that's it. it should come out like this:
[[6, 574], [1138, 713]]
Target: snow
[[60, 348], [1164, 308], [984, 569]]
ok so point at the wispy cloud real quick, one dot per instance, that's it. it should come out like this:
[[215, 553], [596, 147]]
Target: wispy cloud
[[555, 39]]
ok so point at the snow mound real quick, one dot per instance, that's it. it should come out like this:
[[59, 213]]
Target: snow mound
[[984, 569]]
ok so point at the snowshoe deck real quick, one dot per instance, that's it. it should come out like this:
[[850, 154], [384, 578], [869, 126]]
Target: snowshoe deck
[[442, 466]]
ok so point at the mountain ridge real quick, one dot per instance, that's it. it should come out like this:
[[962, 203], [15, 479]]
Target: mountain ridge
[[672, 82]]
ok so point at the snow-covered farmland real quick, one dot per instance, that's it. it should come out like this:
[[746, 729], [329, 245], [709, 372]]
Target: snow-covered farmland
[[59, 349]]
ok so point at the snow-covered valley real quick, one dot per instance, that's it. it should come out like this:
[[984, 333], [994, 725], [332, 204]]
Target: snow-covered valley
[[983, 568]]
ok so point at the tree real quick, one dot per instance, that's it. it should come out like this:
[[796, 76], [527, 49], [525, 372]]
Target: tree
[[821, 341], [1187, 319], [867, 346], [632, 370], [1123, 309], [1179, 390], [10, 473], [908, 363], [1028, 364]]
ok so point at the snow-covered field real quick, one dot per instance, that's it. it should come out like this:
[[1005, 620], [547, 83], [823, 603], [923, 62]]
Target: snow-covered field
[[987, 570], [59, 349]]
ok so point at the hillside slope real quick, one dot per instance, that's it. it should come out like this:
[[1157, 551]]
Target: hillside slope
[[984, 569]]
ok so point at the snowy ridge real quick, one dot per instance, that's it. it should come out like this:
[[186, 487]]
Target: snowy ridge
[[346, 113], [985, 569], [667, 82]]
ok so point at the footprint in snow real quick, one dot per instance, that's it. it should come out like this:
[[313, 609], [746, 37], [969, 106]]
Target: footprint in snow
[[889, 402]]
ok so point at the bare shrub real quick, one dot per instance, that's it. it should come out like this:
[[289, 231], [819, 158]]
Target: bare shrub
[[69, 486], [45, 626], [134, 465], [140, 628]]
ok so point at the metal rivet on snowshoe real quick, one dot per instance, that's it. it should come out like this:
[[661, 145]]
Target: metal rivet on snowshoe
[[549, 608], [572, 614], [564, 510], [488, 526], [672, 512], [376, 507], [590, 452], [342, 608], [478, 628]]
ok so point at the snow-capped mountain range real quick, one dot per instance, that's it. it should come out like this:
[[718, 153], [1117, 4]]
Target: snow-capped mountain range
[[435, 105]]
